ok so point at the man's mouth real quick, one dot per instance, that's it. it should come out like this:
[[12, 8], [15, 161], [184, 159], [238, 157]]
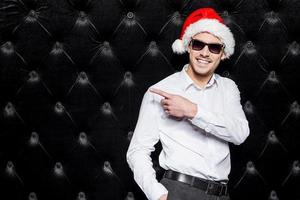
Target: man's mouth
[[202, 61]]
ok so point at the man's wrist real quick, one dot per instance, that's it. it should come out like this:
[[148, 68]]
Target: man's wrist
[[192, 111], [163, 197]]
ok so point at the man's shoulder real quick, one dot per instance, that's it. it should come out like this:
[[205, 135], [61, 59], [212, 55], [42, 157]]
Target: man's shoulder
[[225, 80], [167, 82]]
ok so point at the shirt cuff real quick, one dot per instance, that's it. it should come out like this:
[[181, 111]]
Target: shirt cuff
[[158, 191], [203, 119]]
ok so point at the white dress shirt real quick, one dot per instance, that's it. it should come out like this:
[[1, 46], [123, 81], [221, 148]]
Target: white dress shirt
[[198, 146]]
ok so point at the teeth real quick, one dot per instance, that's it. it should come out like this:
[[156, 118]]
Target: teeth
[[202, 61]]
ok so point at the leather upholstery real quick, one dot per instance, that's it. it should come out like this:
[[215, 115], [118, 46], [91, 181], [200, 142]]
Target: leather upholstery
[[73, 74]]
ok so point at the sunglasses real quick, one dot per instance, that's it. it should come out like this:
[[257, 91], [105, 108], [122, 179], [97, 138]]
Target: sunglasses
[[198, 45]]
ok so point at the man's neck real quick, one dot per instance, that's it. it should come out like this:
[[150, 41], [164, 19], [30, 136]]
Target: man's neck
[[200, 81]]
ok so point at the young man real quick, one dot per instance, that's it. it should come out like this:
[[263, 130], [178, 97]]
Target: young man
[[194, 114]]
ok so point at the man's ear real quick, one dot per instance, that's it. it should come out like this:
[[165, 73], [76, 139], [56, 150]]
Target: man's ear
[[189, 48], [223, 57]]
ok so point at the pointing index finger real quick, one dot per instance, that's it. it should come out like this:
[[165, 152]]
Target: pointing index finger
[[160, 92]]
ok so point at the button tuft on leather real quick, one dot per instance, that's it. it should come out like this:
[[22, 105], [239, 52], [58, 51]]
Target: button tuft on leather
[[106, 49], [106, 109], [7, 48], [83, 78], [33, 77], [130, 15], [250, 48], [295, 108], [272, 138], [130, 196], [227, 19], [129, 135], [153, 44], [81, 196], [294, 48], [248, 107], [296, 168], [225, 13], [31, 17], [34, 139], [10, 168], [59, 108], [176, 19], [82, 19], [226, 74], [57, 48], [106, 44], [130, 20], [273, 195], [250, 168], [272, 18], [107, 169], [272, 78], [128, 79], [9, 110], [82, 14], [58, 169], [83, 140], [32, 196], [153, 49]]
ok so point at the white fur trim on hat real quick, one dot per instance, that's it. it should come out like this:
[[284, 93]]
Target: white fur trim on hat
[[212, 26], [178, 47]]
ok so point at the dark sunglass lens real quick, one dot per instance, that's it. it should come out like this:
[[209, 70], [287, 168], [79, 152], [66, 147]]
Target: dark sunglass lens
[[197, 45], [215, 48]]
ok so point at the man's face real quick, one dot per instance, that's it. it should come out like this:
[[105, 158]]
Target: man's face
[[203, 62]]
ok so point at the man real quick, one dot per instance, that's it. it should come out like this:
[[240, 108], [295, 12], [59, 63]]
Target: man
[[194, 114]]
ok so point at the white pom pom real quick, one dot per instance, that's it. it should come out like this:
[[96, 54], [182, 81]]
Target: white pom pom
[[178, 47]]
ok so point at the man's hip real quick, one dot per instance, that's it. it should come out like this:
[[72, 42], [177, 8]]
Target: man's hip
[[185, 187]]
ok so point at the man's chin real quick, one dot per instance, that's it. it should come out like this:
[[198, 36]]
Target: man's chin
[[202, 68], [202, 73]]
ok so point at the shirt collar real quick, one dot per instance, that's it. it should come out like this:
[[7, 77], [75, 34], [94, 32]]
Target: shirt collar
[[186, 80]]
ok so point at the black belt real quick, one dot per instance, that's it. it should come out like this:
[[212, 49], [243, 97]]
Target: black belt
[[210, 187]]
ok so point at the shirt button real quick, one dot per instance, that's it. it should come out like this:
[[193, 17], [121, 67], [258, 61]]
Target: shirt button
[[207, 129]]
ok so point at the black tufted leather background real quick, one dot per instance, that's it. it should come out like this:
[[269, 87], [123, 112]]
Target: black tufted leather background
[[73, 73]]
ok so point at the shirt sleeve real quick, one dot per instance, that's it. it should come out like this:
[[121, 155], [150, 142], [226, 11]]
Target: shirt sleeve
[[232, 125], [144, 138]]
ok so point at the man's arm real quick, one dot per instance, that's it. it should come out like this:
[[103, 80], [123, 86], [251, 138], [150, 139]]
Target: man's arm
[[231, 126], [145, 136]]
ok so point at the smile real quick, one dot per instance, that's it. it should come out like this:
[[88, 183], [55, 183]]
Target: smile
[[203, 61]]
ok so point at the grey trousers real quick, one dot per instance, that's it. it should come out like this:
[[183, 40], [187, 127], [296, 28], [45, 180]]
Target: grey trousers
[[181, 191]]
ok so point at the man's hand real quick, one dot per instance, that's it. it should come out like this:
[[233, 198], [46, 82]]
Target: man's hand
[[163, 197], [175, 105]]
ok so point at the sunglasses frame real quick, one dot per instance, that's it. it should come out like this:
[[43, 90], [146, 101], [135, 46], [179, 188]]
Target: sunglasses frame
[[209, 45]]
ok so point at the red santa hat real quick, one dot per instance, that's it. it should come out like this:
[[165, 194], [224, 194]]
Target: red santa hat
[[204, 20]]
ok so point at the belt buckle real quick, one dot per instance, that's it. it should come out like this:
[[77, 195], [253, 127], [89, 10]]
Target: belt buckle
[[192, 181], [209, 187], [221, 191]]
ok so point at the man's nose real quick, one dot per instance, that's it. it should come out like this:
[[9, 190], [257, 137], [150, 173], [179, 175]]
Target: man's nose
[[205, 51]]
